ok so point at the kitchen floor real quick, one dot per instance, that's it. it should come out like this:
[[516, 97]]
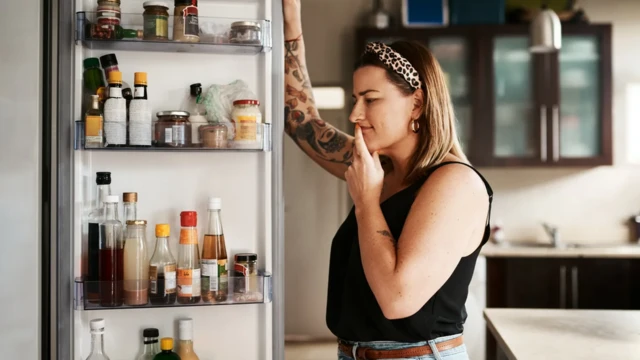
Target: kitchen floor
[[324, 350]]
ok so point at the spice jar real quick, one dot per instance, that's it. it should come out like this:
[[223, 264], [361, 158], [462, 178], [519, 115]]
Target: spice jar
[[185, 22], [156, 20], [172, 129], [247, 117], [108, 12], [245, 272], [214, 136], [245, 32]]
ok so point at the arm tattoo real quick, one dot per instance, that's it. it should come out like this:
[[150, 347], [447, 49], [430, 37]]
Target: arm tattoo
[[387, 234]]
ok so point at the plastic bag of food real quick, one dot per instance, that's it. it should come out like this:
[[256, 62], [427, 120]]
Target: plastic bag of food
[[219, 99]]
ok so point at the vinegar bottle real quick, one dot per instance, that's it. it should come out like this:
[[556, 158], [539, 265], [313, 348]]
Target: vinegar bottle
[[214, 256], [95, 218], [188, 260], [111, 255]]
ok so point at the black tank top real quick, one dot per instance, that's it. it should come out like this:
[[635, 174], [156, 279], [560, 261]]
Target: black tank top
[[352, 310]]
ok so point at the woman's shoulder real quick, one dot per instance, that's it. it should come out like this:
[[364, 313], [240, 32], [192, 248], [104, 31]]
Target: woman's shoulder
[[454, 174]]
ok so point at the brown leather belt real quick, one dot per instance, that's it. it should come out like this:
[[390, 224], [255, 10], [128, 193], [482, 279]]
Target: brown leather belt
[[365, 353]]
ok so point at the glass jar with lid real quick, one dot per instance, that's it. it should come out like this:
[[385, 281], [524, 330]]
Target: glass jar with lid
[[246, 285], [245, 32], [172, 129], [108, 12], [214, 136], [156, 20], [248, 119]]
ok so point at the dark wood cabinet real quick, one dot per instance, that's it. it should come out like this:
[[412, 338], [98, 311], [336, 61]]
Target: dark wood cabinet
[[515, 108]]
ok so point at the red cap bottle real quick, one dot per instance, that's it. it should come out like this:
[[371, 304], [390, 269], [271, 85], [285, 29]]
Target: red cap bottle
[[188, 218]]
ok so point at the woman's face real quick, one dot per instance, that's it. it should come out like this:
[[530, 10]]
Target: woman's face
[[382, 111]]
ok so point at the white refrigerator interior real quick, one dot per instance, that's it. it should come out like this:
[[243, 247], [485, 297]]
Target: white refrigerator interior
[[170, 181]]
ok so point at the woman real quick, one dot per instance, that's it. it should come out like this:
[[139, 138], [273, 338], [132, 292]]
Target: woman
[[402, 261]]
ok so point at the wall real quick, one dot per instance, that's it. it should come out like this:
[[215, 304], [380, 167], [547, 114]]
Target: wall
[[20, 179]]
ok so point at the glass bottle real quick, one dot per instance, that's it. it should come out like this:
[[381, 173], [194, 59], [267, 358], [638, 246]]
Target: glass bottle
[[112, 32], [115, 112], [166, 345], [151, 347], [214, 256], [185, 340], [109, 63], [136, 264], [198, 114], [93, 83], [93, 123], [162, 269], [111, 255], [140, 118], [95, 217], [130, 206], [188, 260], [97, 340]]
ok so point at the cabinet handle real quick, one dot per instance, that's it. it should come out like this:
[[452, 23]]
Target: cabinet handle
[[555, 117], [574, 287], [563, 286], [543, 133]]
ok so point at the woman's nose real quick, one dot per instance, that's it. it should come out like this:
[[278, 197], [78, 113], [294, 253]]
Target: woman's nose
[[356, 114]]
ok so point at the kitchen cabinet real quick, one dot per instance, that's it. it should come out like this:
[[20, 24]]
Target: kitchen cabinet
[[515, 108]]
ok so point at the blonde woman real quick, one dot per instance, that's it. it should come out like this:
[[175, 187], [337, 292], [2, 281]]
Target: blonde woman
[[402, 261]]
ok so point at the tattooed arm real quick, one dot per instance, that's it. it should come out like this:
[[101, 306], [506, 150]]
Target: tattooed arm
[[326, 145]]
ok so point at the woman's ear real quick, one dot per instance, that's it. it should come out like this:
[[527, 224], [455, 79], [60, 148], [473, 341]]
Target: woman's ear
[[418, 104]]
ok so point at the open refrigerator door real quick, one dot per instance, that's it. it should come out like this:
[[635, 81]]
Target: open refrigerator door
[[184, 123]]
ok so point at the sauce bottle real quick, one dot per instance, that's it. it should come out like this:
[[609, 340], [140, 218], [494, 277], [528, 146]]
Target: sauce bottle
[[166, 345], [162, 269], [185, 342], [188, 260], [214, 256], [111, 255], [136, 264]]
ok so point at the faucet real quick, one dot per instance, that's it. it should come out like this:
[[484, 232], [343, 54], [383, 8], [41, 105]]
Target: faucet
[[554, 234]]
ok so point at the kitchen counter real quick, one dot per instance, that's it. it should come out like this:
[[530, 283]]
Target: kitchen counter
[[534, 334], [584, 251]]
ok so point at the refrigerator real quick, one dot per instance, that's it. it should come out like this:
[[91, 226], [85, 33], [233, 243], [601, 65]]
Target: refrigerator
[[170, 180]]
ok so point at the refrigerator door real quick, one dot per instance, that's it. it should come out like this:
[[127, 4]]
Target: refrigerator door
[[168, 182]]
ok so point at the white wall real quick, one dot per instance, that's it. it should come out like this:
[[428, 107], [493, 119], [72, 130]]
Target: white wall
[[20, 179]]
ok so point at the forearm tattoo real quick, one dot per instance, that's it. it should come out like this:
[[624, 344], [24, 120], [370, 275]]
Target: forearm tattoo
[[302, 120]]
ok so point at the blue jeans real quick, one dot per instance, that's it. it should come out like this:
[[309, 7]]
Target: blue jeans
[[456, 353]]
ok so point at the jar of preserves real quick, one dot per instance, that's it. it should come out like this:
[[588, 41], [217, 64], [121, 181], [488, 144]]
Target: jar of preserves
[[156, 20], [245, 272], [172, 129], [108, 12], [186, 27], [214, 136], [245, 32], [247, 117]]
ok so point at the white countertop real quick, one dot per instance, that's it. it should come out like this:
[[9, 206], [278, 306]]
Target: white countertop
[[535, 334], [587, 251]]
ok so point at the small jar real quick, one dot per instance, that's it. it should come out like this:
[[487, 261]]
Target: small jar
[[156, 20], [186, 27], [108, 12], [245, 32], [172, 129], [245, 272], [247, 118], [214, 136]]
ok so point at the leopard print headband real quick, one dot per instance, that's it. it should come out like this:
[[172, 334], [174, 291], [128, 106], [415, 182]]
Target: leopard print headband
[[396, 62]]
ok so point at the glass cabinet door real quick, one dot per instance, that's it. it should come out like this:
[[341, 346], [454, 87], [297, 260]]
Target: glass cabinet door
[[577, 122], [517, 122], [452, 54]]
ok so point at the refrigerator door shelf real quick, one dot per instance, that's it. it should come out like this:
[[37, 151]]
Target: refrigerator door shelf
[[216, 36], [259, 290]]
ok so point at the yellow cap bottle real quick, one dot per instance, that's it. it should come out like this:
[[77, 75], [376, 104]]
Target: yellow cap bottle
[[166, 344], [162, 230], [115, 77], [140, 78]]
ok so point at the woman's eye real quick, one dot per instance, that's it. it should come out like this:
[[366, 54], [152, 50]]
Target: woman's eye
[[369, 101]]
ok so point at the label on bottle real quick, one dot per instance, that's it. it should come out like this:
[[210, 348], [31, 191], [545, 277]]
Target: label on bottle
[[168, 135], [247, 128], [93, 129], [153, 280], [169, 279], [188, 236], [188, 282], [191, 27], [138, 92], [209, 274], [155, 26], [178, 134], [223, 274]]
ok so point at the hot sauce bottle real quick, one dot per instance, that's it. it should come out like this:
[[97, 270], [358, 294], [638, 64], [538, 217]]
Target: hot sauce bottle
[[188, 260]]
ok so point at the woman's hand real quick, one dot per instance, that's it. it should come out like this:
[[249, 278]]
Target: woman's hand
[[292, 18], [365, 176]]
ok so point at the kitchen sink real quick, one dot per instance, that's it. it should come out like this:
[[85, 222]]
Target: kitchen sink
[[560, 246]]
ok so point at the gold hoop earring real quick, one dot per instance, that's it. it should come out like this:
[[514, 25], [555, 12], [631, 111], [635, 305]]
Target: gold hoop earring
[[415, 126]]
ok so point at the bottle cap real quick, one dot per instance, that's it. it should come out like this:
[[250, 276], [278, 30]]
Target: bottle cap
[[215, 203], [114, 199], [103, 178], [130, 197], [163, 230], [97, 326], [166, 343], [108, 60], [91, 62], [115, 77], [150, 332], [188, 218], [246, 257], [246, 102], [185, 329], [140, 78], [196, 89]]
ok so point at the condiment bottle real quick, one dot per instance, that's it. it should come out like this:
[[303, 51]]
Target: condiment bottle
[[247, 117], [166, 345], [111, 255], [109, 63], [140, 118], [136, 264], [151, 346], [93, 82], [115, 112], [214, 256], [162, 269], [198, 113], [188, 260], [97, 340], [93, 122], [186, 27], [185, 340], [94, 219], [130, 209]]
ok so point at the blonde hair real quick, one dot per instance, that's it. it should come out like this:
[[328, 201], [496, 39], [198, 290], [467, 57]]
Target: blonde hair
[[437, 132]]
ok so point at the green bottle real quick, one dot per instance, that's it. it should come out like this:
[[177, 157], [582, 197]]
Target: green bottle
[[166, 345], [111, 32]]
